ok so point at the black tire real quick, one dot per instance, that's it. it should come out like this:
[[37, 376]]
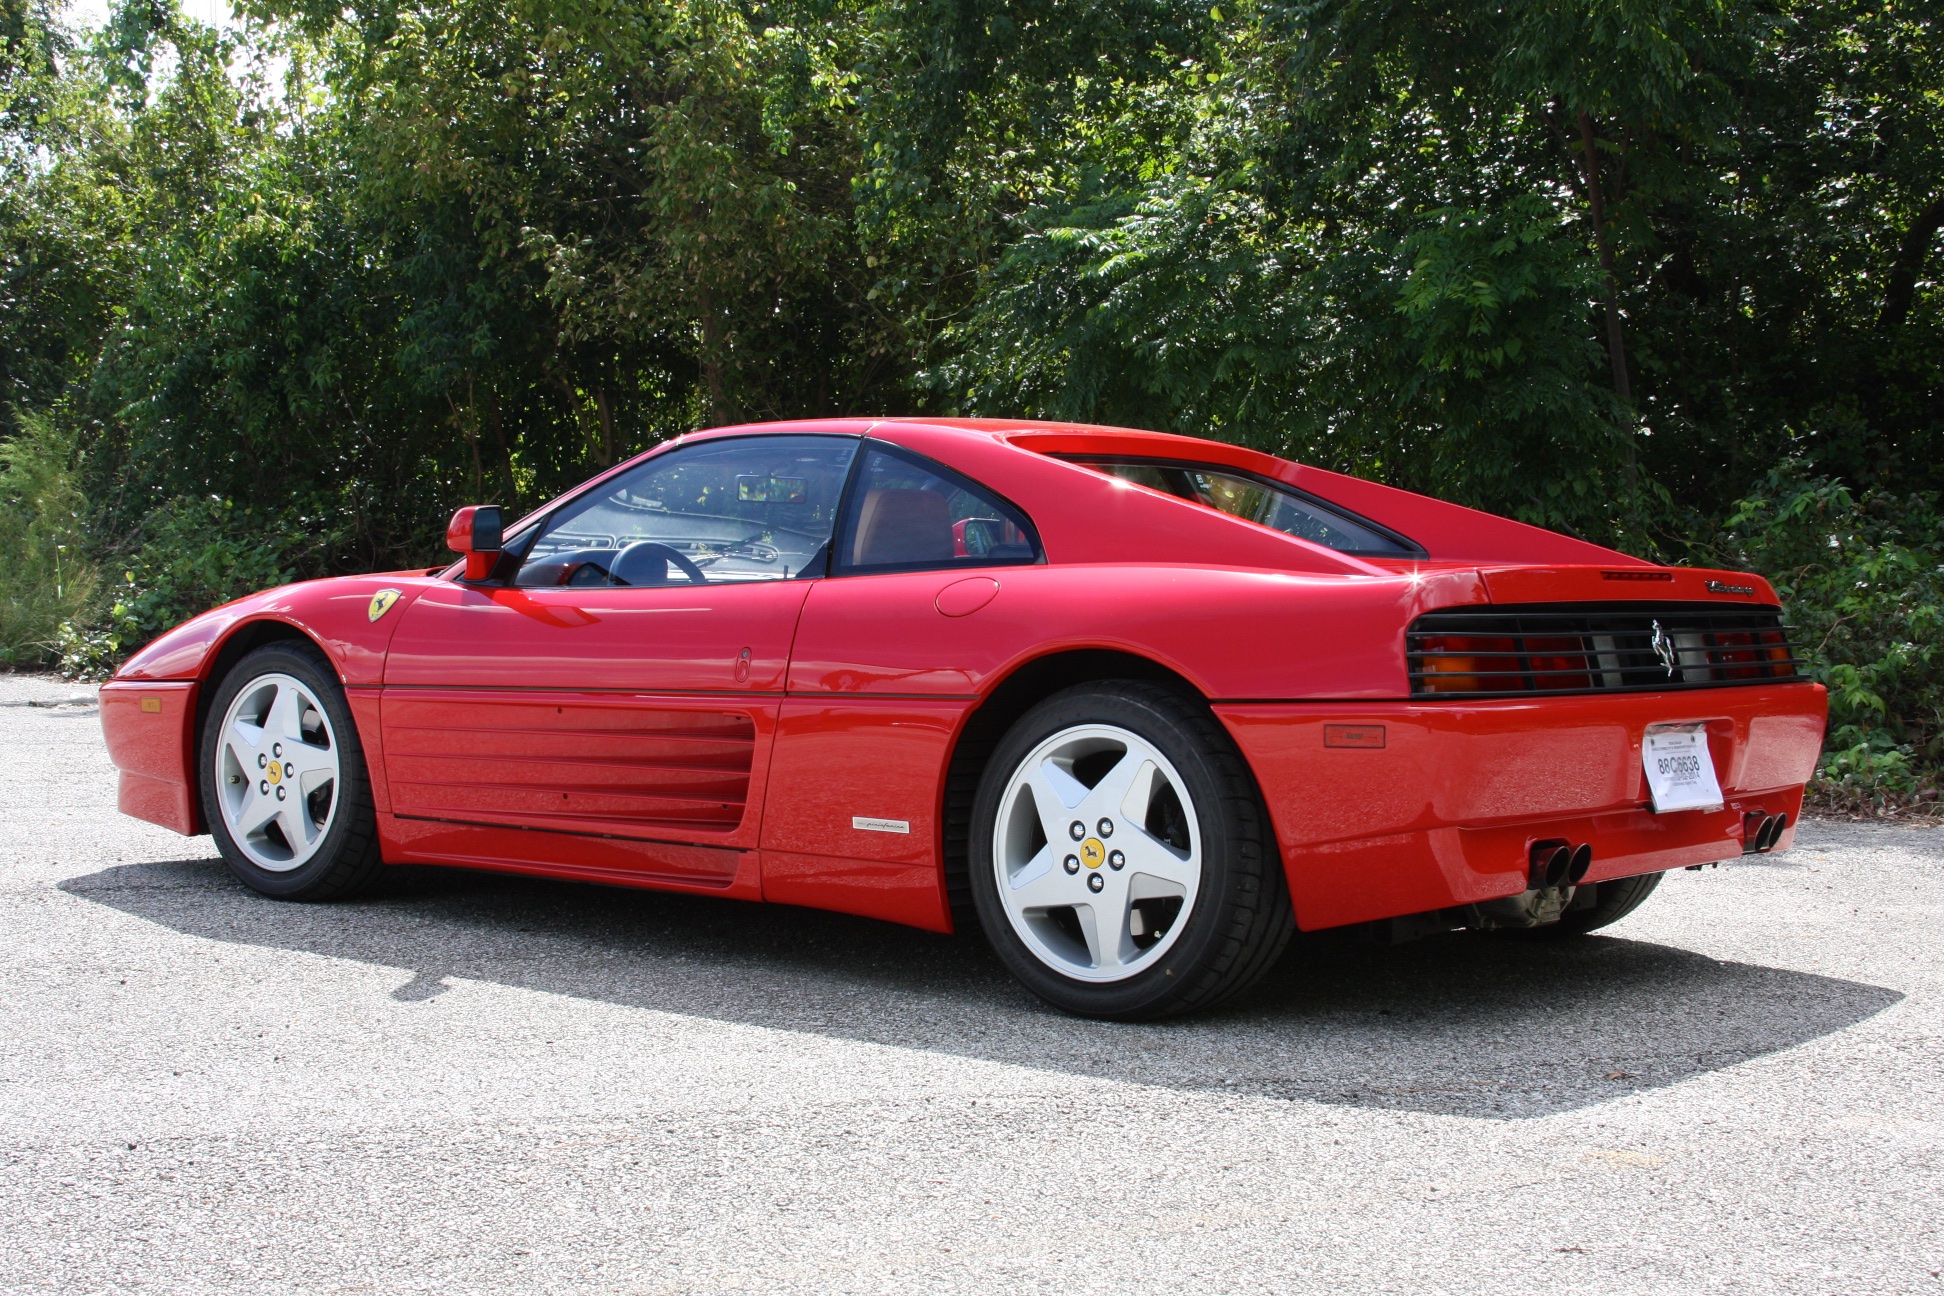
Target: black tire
[[1241, 919], [347, 859], [1612, 901]]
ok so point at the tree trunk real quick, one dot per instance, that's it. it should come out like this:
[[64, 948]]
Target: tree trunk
[[712, 368], [468, 423], [503, 452], [1901, 291], [1596, 204], [1610, 290], [605, 406]]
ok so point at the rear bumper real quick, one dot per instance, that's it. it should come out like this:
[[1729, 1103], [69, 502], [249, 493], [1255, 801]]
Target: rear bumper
[[1442, 813], [150, 727]]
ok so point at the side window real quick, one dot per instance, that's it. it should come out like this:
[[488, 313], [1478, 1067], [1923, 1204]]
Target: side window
[[743, 509], [908, 514]]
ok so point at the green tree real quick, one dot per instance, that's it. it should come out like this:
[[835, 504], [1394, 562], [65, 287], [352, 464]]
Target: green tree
[[48, 577], [297, 288]]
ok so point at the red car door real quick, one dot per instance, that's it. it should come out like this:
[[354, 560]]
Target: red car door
[[624, 684], [852, 820]]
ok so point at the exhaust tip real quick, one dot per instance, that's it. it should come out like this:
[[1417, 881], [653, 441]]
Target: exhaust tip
[[1772, 830], [1549, 862], [1753, 825], [1581, 862]]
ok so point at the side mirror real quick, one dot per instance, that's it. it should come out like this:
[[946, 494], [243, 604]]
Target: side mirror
[[973, 537], [476, 531]]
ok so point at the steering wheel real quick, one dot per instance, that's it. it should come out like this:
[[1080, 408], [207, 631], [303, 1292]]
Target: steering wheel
[[634, 562]]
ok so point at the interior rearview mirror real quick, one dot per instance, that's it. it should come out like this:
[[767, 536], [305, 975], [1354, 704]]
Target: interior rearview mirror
[[477, 532]]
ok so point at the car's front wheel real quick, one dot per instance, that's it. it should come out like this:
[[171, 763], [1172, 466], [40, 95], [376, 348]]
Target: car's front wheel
[[1121, 860], [284, 788]]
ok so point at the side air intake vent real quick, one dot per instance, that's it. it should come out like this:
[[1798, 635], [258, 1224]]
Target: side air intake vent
[[1596, 648]]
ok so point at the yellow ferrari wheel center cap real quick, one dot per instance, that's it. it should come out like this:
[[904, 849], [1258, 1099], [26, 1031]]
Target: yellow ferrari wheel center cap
[[274, 773], [1092, 853]]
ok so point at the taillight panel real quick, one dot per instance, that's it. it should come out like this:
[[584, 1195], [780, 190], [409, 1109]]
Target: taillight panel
[[1596, 648]]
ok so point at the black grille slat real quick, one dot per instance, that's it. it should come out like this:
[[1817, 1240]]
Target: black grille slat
[[1768, 662], [1596, 648]]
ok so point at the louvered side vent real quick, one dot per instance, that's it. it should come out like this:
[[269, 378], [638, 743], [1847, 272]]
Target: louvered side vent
[[1596, 648], [635, 767]]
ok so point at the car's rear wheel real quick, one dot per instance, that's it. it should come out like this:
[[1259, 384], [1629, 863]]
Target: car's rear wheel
[[1121, 861], [1612, 901], [284, 788]]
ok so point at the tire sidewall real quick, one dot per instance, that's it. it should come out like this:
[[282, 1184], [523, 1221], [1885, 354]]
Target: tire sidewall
[[353, 794], [1157, 718], [1615, 900]]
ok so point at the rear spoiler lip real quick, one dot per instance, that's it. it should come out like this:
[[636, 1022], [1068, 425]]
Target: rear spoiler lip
[[1509, 583], [1601, 584]]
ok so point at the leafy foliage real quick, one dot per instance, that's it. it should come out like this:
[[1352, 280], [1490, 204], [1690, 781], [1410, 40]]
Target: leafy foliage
[[1600, 264], [1864, 575], [47, 577], [192, 555]]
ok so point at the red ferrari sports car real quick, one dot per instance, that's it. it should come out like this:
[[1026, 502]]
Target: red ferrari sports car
[[1138, 705]]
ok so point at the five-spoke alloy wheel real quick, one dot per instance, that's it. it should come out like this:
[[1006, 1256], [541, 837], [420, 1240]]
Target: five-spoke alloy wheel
[[284, 789], [276, 772], [1096, 876], [1120, 858]]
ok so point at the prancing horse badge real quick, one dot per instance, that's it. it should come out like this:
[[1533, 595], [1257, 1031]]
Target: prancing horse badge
[[381, 603]]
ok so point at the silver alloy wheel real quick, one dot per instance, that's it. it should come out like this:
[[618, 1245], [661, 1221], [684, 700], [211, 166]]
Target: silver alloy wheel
[[1097, 853], [277, 772]]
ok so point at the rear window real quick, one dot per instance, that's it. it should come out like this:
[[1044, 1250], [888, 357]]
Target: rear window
[[1259, 500]]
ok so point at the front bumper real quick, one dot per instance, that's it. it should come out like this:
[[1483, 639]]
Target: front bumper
[[150, 726], [1443, 812]]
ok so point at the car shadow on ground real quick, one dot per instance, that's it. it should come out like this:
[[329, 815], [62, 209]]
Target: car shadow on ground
[[1463, 1025]]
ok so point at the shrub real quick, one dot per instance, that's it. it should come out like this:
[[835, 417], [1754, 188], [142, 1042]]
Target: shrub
[[45, 577], [193, 554], [1862, 575]]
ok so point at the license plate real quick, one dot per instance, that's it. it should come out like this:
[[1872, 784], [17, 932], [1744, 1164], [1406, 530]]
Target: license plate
[[1680, 770]]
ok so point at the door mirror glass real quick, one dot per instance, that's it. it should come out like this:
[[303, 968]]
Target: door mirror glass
[[477, 531], [987, 537]]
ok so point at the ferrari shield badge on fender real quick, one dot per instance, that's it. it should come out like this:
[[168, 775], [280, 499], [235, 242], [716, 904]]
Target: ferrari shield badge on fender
[[381, 603]]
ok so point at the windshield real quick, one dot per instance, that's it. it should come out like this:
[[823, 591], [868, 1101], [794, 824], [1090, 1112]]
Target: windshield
[[738, 509], [1259, 500]]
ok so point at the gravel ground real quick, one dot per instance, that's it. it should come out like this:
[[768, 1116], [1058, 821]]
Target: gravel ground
[[483, 1084]]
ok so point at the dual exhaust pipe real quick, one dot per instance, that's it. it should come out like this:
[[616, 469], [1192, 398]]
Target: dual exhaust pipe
[[1556, 863], [1761, 831]]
